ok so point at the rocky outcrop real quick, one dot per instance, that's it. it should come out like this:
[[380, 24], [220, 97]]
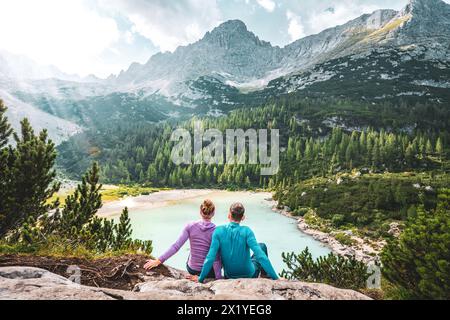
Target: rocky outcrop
[[360, 250], [245, 289], [26, 283]]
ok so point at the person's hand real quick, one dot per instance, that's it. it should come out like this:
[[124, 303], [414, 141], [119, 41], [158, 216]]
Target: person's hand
[[152, 264], [193, 278], [282, 279]]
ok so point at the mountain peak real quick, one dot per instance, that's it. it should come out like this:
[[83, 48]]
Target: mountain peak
[[233, 33], [231, 26], [426, 18], [421, 6], [423, 2]]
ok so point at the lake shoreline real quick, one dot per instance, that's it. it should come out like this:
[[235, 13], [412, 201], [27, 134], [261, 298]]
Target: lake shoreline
[[362, 252], [161, 216], [162, 199], [154, 200]]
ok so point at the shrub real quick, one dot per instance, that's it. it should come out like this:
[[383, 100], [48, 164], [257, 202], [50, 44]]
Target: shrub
[[418, 263], [300, 212], [338, 220], [344, 239], [338, 271]]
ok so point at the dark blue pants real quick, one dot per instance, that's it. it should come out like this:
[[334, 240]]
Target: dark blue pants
[[211, 275], [258, 267]]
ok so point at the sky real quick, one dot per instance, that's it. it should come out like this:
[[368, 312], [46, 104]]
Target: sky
[[103, 37]]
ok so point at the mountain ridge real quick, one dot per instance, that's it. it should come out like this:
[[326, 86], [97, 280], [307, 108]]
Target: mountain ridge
[[378, 29], [385, 54]]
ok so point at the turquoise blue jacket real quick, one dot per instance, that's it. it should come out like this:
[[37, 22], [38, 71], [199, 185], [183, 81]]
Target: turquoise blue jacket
[[234, 243]]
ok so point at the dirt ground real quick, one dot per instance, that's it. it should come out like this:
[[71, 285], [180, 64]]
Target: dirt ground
[[115, 273]]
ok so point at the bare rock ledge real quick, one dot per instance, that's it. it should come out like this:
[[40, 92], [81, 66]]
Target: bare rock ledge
[[26, 283]]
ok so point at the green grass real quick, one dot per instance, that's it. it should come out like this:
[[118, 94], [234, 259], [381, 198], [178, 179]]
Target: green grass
[[344, 239], [316, 222], [388, 28], [59, 248], [111, 193], [122, 191]]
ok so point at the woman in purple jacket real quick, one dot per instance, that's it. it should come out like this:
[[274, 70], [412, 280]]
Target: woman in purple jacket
[[199, 235]]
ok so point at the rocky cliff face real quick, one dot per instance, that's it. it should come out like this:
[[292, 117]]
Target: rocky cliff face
[[229, 51], [236, 56], [427, 19], [26, 283], [332, 42], [406, 56]]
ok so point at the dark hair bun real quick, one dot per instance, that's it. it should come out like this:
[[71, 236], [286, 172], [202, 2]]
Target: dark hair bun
[[207, 208]]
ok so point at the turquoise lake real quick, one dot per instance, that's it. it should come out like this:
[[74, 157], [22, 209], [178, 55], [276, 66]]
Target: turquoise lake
[[163, 225]]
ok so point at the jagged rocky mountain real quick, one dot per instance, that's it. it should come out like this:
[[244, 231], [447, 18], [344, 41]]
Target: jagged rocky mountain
[[237, 58], [378, 56], [409, 55]]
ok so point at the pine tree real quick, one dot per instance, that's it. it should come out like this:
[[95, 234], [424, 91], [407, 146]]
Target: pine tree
[[5, 133], [429, 148], [349, 155], [151, 173], [410, 154], [439, 148], [5, 128], [99, 235], [376, 157], [418, 263], [123, 231], [29, 179], [81, 207]]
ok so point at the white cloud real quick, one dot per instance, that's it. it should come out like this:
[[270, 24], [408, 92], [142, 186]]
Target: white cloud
[[343, 11], [62, 33], [168, 24], [128, 37], [295, 29], [269, 5]]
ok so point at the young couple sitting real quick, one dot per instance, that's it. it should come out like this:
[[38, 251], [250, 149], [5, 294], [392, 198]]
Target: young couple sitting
[[225, 246]]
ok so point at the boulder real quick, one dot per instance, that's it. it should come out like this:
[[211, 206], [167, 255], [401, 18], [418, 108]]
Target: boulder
[[253, 289], [394, 229], [26, 283]]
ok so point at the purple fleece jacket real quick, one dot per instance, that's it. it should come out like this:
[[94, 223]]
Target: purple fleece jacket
[[200, 236]]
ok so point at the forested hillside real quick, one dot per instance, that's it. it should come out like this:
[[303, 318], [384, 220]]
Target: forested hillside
[[315, 142], [362, 170], [369, 166]]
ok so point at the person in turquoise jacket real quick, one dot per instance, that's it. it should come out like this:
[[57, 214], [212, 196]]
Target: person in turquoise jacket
[[233, 242]]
